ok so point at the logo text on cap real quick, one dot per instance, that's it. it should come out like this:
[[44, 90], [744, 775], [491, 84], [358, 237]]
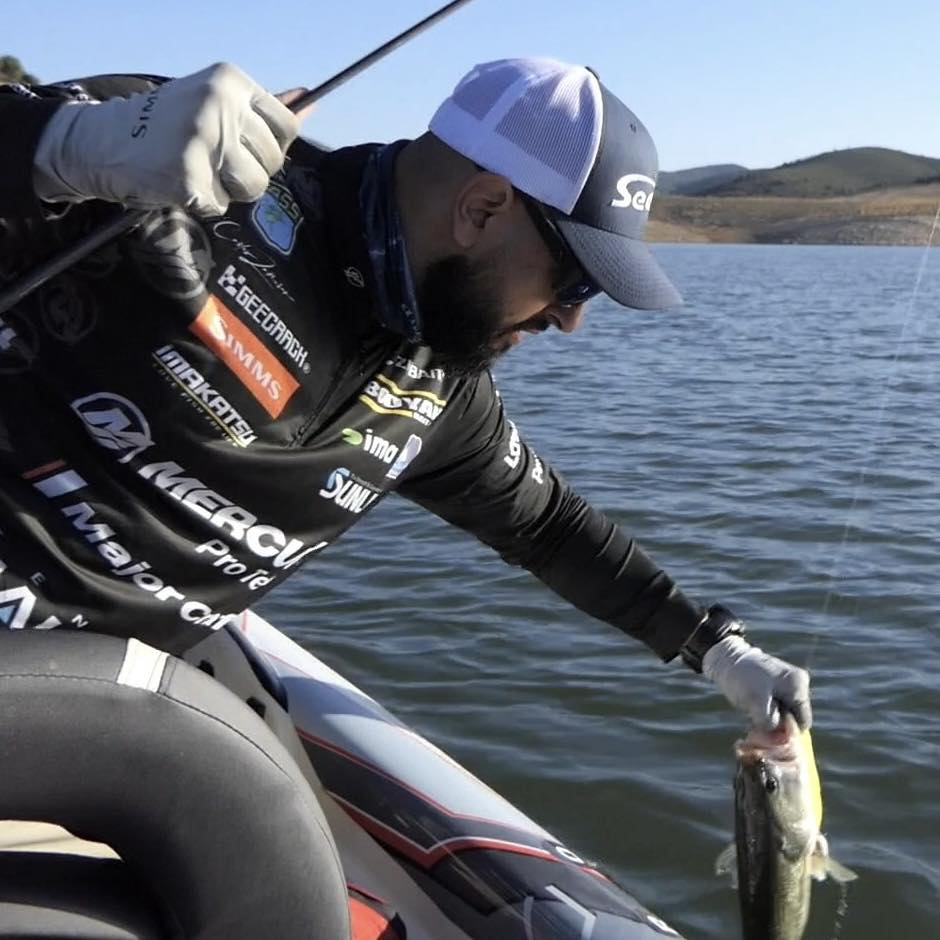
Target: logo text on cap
[[641, 199]]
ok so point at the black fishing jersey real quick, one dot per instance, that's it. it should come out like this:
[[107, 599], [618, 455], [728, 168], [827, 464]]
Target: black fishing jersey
[[200, 407]]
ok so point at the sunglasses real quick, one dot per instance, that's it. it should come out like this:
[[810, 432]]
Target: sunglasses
[[572, 285]]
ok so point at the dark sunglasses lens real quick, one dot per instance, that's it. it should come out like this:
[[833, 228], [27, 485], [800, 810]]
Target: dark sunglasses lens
[[578, 293]]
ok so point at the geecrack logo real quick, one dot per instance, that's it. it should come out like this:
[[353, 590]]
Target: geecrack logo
[[383, 396], [236, 286], [638, 198], [253, 365], [115, 423]]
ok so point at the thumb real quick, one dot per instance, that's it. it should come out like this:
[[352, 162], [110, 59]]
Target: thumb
[[291, 95]]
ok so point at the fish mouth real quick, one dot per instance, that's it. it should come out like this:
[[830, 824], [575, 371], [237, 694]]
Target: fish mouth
[[779, 745]]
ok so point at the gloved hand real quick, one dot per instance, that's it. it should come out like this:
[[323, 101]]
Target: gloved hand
[[758, 684], [196, 142]]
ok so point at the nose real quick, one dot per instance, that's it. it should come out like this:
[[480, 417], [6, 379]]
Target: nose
[[568, 319]]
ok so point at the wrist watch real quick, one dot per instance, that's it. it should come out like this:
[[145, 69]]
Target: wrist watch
[[719, 623]]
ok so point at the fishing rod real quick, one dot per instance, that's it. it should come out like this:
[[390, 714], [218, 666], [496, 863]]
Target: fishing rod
[[121, 223]]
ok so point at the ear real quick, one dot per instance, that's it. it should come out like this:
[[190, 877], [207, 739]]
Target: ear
[[481, 203]]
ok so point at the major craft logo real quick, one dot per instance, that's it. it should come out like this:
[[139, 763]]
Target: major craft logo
[[115, 423], [252, 364], [384, 397], [633, 192], [277, 217]]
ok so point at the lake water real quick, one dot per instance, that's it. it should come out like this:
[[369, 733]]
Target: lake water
[[775, 447]]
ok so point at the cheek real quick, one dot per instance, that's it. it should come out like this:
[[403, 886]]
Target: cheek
[[527, 286]]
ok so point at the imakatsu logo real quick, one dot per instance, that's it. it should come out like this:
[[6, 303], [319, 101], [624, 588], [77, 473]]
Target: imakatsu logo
[[204, 396], [383, 396], [633, 194], [115, 423]]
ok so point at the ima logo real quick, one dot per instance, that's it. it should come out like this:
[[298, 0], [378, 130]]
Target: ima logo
[[115, 423]]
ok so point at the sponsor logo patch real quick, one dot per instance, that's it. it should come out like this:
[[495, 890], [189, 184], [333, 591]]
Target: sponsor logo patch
[[191, 382], [348, 491], [383, 450], [236, 286], [383, 396], [253, 365], [115, 423], [277, 217]]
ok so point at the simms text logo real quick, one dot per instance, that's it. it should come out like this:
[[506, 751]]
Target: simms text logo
[[235, 285], [383, 396], [254, 366], [349, 492], [633, 194], [115, 423], [192, 383]]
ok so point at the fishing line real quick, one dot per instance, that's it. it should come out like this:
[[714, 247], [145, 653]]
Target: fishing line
[[835, 575]]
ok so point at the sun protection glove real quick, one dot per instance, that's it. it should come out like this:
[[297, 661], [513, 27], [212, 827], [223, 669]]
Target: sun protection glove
[[754, 682], [198, 142]]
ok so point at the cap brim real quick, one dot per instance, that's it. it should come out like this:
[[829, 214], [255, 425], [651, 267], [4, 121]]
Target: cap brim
[[623, 268]]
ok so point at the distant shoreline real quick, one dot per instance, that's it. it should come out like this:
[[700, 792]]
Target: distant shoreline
[[902, 216]]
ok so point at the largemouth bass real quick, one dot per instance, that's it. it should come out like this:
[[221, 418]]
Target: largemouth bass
[[778, 845]]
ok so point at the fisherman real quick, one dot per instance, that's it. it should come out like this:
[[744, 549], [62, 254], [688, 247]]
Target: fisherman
[[202, 406]]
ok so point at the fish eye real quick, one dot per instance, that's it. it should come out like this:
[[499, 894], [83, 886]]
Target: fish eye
[[770, 784]]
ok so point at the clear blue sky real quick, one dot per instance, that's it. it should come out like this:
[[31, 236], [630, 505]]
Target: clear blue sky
[[716, 81]]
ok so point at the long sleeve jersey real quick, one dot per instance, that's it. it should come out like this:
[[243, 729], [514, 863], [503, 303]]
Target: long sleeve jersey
[[200, 407]]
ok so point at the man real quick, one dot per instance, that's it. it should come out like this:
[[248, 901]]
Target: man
[[198, 408]]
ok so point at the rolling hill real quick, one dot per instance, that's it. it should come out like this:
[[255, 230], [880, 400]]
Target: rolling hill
[[866, 195]]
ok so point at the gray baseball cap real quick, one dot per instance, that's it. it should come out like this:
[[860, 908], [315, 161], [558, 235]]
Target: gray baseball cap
[[556, 133]]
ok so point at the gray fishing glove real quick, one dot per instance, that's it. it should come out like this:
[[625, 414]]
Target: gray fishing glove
[[757, 684], [198, 142]]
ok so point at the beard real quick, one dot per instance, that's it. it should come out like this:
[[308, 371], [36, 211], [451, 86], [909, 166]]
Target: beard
[[461, 315]]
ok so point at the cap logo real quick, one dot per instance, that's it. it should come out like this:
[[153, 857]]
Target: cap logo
[[639, 199]]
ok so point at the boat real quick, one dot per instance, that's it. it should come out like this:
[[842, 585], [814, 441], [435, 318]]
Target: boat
[[155, 764]]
